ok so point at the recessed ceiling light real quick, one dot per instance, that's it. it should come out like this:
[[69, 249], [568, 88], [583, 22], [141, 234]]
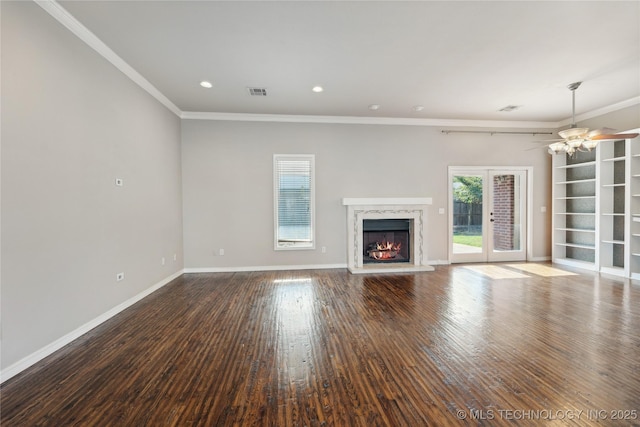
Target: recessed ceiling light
[[374, 107], [317, 89], [418, 107], [206, 84]]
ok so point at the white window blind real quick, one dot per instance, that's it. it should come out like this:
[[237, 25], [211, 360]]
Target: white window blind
[[294, 201]]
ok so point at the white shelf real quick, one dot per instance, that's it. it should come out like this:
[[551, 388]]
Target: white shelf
[[578, 181], [575, 213], [579, 230], [614, 159], [577, 165], [577, 245], [614, 185], [612, 214], [614, 242], [578, 197]]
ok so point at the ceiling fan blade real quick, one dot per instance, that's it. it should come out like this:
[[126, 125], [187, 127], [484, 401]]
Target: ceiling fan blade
[[601, 131], [614, 136]]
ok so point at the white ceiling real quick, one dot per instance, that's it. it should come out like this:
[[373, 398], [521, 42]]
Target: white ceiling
[[461, 60]]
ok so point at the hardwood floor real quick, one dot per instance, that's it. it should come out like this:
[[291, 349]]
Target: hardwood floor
[[504, 344]]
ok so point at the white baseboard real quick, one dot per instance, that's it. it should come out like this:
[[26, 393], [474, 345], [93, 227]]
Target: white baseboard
[[45, 351], [262, 268], [539, 259], [438, 262], [446, 262]]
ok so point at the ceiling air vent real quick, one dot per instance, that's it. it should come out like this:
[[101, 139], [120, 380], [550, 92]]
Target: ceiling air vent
[[257, 91], [509, 108]]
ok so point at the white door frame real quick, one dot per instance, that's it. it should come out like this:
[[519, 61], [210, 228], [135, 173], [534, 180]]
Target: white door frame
[[471, 170]]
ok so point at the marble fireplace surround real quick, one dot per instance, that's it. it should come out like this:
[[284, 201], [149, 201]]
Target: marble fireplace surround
[[411, 208]]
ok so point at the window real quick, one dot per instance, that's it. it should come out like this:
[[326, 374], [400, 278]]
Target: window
[[293, 183]]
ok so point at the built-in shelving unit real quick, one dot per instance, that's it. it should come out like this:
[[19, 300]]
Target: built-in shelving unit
[[613, 186], [574, 209], [596, 208], [634, 208]]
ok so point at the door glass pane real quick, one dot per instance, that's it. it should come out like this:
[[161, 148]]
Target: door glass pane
[[505, 213], [467, 214]]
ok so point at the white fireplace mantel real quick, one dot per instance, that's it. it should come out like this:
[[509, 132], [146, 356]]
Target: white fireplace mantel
[[411, 208]]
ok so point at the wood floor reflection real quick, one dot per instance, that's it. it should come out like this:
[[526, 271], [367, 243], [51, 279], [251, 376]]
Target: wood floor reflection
[[505, 344]]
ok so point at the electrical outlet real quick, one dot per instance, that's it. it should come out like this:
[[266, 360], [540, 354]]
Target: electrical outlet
[[323, 250], [119, 277], [175, 257], [163, 261], [221, 252]]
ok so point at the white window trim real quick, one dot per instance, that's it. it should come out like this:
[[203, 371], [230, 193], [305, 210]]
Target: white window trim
[[302, 245]]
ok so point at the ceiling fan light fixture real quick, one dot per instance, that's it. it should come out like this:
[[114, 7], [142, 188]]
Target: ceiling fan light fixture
[[558, 147], [573, 133], [575, 143], [590, 144], [581, 139]]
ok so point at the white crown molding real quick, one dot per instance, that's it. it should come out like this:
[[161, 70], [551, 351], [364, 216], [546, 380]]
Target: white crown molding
[[355, 120], [403, 121], [65, 18]]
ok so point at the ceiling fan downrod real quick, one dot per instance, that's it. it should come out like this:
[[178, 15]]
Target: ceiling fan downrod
[[572, 87]]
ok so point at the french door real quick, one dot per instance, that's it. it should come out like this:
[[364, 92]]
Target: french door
[[488, 214]]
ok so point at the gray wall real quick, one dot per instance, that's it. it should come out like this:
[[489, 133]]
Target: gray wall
[[71, 124], [227, 183]]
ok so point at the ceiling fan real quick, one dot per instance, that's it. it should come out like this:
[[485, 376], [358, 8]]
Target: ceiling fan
[[581, 139]]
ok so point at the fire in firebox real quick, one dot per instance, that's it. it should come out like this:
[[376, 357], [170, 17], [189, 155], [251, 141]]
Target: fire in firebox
[[383, 250]]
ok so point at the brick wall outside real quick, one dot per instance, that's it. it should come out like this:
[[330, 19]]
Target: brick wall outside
[[503, 208]]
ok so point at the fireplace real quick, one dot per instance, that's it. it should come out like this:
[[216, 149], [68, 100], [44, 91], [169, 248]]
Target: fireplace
[[397, 225], [386, 240]]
